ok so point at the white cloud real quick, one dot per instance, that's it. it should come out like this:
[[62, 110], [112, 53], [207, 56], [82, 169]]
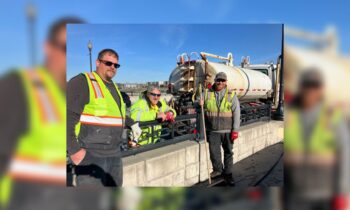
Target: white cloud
[[173, 36]]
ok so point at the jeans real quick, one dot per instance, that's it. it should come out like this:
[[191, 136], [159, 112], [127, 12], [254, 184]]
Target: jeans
[[100, 171]]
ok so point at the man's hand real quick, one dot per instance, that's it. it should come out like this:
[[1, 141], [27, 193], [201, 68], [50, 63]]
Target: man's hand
[[161, 115], [201, 102], [234, 136], [78, 156], [169, 116], [136, 131], [133, 144]]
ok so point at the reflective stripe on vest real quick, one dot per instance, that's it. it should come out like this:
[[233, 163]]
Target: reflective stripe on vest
[[45, 102], [102, 121], [95, 86], [37, 171]]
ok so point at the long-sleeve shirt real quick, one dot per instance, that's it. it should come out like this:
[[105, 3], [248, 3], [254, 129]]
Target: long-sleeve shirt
[[13, 117], [341, 133]]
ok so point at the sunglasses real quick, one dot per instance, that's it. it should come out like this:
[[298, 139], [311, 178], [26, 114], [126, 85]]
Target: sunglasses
[[60, 46], [154, 94], [311, 85], [220, 80], [108, 63]]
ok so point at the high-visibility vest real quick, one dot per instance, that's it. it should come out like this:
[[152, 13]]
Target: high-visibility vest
[[102, 121], [322, 141], [40, 154], [218, 118], [141, 111]]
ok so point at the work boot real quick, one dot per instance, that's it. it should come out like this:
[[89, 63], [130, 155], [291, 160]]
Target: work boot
[[230, 181], [215, 174]]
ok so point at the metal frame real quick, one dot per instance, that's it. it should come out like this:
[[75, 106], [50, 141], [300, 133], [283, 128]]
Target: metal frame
[[173, 133], [255, 114], [181, 129]]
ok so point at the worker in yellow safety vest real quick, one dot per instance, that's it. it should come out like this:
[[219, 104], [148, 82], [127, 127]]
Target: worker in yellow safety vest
[[316, 150], [150, 107], [96, 123], [33, 133], [222, 120]]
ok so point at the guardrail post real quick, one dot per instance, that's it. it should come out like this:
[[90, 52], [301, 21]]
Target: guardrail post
[[152, 133]]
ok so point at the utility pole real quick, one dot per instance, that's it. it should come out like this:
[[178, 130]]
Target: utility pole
[[90, 48], [31, 15], [279, 114]]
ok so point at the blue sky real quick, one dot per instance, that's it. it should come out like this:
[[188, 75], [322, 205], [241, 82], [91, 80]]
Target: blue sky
[[313, 16], [148, 51]]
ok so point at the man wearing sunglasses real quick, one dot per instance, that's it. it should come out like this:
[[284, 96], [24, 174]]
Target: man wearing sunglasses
[[316, 145], [96, 123], [222, 119], [33, 133], [150, 107]]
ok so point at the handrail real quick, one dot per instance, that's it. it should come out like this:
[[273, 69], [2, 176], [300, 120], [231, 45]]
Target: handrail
[[171, 133], [183, 129]]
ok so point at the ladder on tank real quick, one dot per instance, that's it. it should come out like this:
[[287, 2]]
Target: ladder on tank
[[188, 73]]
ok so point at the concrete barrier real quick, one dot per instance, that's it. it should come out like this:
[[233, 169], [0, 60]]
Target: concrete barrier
[[185, 163]]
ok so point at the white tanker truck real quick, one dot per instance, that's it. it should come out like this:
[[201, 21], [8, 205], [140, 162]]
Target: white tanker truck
[[255, 85]]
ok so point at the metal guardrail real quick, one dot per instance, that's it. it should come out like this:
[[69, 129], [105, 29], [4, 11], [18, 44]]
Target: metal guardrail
[[183, 129], [255, 114], [170, 133]]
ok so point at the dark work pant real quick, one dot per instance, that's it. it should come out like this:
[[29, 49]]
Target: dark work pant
[[303, 204], [100, 171], [216, 140]]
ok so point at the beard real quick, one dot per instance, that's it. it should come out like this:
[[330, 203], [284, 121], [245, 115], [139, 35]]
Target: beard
[[219, 87]]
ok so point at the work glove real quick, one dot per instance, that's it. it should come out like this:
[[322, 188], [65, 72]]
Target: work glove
[[169, 116], [234, 136], [136, 132], [340, 202]]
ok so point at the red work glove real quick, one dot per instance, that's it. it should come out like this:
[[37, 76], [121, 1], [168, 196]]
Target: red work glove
[[169, 116], [340, 202], [234, 136]]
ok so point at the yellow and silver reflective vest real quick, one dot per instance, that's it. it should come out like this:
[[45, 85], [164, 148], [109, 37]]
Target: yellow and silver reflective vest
[[218, 118], [40, 156], [141, 111], [102, 121], [322, 140]]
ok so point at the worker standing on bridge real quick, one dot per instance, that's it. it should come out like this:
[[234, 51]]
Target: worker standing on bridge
[[33, 133], [316, 150], [150, 107], [96, 122], [222, 120]]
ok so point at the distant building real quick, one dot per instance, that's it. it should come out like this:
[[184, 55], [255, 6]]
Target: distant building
[[159, 83]]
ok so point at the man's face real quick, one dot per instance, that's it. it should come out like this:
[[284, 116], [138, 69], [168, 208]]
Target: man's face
[[220, 84], [154, 96], [106, 66], [55, 53], [312, 95]]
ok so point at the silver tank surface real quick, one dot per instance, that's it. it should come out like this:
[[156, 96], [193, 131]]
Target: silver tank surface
[[248, 84]]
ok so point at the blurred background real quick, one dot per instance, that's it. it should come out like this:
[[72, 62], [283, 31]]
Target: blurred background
[[316, 74]]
